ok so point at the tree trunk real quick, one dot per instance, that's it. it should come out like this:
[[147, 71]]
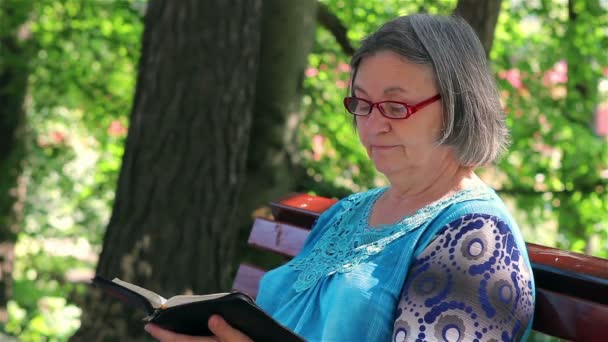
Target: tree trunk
[[482, 15], [184, 160], [15, 55], [287, 38]]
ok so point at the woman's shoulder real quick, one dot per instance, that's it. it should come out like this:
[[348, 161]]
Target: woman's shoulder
[[485, 211], [485, 202]]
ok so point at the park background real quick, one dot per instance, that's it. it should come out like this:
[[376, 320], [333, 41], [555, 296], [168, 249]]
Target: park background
[[161, 126]]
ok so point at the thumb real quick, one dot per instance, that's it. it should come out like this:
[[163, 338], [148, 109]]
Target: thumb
[[158, 333], [225, 332]]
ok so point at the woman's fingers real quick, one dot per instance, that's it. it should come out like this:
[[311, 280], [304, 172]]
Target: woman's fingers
[[164, 335], [224, 332]]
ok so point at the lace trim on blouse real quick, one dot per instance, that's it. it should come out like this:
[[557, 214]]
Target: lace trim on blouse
[[348, 240]]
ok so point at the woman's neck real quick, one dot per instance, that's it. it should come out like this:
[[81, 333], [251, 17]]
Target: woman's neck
[[416, 192]]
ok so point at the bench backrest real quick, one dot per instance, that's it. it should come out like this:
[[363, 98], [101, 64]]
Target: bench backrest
[[571, 288]]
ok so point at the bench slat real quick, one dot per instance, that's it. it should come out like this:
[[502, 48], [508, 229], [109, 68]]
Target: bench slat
[[569, 262], [570, 283], [247, 279], [300, 209], [569, 318], [277, 237]]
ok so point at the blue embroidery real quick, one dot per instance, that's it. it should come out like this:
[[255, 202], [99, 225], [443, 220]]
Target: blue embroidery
[[348, 241]]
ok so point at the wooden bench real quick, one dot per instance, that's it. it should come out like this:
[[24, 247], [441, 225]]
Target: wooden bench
[[571, 288]]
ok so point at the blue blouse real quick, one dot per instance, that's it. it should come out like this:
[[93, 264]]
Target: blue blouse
[[457, 269]]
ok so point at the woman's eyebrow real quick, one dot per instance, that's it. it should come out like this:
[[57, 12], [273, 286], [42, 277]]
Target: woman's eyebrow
[[359, 89], [394, 89]]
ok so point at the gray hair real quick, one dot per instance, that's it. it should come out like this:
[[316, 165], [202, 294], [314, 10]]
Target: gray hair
[[473, 119]]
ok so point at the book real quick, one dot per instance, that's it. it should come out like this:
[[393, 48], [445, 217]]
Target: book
[[189, 314]]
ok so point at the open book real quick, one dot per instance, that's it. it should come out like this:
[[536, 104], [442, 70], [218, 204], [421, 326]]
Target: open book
[[188, 315]]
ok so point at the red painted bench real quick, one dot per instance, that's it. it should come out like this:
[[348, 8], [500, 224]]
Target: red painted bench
[[571, 288]]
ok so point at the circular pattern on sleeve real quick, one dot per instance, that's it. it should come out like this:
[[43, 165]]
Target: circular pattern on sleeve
[[470, 284]]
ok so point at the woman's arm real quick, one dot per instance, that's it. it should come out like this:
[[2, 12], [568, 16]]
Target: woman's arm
[[471, 283]]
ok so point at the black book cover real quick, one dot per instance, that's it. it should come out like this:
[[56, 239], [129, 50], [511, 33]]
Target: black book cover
[[238, 309]]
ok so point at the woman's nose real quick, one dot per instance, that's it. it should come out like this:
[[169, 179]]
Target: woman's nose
[[378, 122]]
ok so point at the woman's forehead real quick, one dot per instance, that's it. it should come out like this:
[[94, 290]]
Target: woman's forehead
[[389, 73], [390, 89]]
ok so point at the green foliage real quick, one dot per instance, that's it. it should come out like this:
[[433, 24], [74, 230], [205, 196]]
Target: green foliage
[[40, 306], [550, 67], [81, 87]]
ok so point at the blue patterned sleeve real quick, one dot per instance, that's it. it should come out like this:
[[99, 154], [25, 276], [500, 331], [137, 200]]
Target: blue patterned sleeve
[[469, 284]]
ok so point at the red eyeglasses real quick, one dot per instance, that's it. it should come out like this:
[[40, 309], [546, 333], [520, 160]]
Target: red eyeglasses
[[390, 109]]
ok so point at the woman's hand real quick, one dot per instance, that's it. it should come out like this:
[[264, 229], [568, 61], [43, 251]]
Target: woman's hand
[[223, 333]]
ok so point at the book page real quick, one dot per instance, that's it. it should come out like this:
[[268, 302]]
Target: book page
[[183, 299], [155, 299]]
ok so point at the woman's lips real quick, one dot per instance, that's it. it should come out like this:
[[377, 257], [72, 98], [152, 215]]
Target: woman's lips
[[383, 147]]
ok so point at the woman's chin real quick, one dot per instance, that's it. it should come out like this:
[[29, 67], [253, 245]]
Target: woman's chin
[[385, 169]]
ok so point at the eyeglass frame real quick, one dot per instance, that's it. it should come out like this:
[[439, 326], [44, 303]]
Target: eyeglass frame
[[411, 109]]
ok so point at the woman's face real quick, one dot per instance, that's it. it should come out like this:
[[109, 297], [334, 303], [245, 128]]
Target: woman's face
[[399, 147]]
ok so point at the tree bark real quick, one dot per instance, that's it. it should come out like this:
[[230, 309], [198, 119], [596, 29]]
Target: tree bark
[[482, 15], [184, 161], [272, 167], [15, 55]]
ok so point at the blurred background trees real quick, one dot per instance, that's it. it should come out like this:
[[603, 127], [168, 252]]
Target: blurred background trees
[[68, 97]]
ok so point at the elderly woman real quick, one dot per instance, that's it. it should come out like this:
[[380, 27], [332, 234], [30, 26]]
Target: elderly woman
[[435, 256]]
